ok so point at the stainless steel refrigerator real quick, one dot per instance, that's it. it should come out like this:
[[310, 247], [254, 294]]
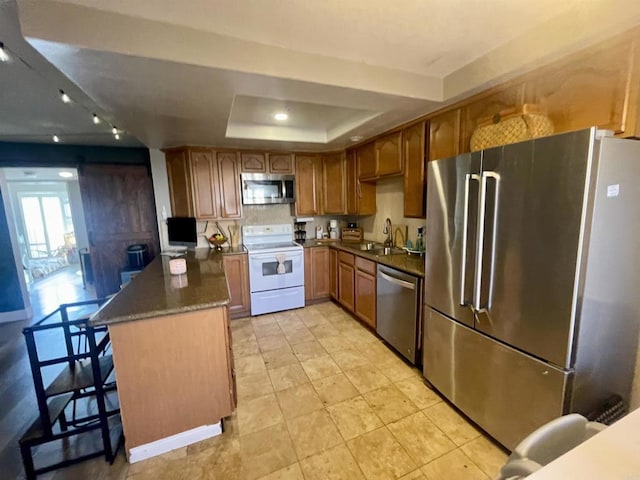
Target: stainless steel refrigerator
[[532, 279]]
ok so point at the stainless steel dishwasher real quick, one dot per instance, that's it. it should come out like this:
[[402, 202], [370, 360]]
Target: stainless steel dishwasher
[[399, 297]]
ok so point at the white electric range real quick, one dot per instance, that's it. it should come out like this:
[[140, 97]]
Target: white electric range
[[276, 268]]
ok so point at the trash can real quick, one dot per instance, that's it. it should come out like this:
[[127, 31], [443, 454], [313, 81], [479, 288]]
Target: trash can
[[137, 256]]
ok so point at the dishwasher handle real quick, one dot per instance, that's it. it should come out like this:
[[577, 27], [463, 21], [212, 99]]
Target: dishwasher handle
[[397, 281]]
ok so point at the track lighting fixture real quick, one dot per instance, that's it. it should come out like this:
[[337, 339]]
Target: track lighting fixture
[[4, 55]]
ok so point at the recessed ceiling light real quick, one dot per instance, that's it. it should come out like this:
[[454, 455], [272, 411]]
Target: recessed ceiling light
[[65, 174], [281, 116], [56, 139], [4, 55], [64, 97], [96, 119], [356, 138]]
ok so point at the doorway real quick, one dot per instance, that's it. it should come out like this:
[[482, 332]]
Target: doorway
[[50, 230]]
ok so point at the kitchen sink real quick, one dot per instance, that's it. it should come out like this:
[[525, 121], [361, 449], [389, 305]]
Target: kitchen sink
[[387, 251], [378, 249]]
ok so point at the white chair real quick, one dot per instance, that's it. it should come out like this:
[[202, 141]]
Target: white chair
[[548, 443]]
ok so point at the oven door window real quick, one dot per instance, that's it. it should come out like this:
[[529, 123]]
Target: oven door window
[[271, 268]]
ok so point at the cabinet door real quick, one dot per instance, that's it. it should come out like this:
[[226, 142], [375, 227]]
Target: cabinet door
[[237, 271], [333, 273], [308, 275], [204, 177], [281, 163], [229, 185], [333, 184], [352, 183], [253, 162], [366, 155], [444, 135], [179, 183], [389, 155], [308, 185], [365, 297], [346, 285], [415, 186], [320, 269]]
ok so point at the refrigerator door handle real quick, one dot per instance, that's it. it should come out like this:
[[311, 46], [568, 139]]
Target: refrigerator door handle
[[480, 245], [465, 230]]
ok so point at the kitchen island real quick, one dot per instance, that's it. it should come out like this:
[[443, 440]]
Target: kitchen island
[[172, 354]]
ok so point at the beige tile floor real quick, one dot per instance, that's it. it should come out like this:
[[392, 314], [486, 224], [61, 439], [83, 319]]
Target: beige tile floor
[[321, 397]]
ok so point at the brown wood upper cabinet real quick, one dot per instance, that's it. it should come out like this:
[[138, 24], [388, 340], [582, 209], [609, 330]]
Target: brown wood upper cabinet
[[281, 163], [179, 176], [333, 184], [361, 197], [389, 155], [366, 161], [413, 151], [381, 158], [203, 183], [260, 162], [308, 185], [444, 135]]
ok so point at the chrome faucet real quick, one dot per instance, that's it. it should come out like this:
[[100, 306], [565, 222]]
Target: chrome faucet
[[397, 231], [387, 230]]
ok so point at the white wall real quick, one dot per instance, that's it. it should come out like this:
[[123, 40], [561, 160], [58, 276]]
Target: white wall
[[161, 193], [390, 204], [77, 214], [27, 311]]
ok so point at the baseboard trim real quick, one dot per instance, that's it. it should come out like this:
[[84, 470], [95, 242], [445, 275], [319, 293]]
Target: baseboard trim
[[179, 440]]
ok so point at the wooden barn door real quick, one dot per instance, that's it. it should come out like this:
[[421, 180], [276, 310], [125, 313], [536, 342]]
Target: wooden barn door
[[119, 208]]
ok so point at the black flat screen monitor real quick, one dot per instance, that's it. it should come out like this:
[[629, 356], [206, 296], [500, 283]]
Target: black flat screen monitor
[[182, 231]]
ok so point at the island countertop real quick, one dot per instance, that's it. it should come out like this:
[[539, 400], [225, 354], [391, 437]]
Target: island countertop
[[154, 292]]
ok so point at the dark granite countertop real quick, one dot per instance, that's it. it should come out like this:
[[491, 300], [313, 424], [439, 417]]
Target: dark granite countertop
[[413, 264], [154, 292]]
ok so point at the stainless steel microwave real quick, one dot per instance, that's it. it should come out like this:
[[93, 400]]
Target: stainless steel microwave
[[264, 189]]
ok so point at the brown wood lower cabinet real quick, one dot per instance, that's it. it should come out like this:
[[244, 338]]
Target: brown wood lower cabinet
[[353, 284], [333, 273], [237, 271], [346, 280], [365, 291], [316, 273]]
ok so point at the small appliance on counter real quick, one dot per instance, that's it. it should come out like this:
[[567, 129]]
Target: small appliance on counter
[[334, 233], [300, 232]]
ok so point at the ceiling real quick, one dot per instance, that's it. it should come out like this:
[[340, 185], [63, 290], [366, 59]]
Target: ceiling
[[38, 175], [214, 72]]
